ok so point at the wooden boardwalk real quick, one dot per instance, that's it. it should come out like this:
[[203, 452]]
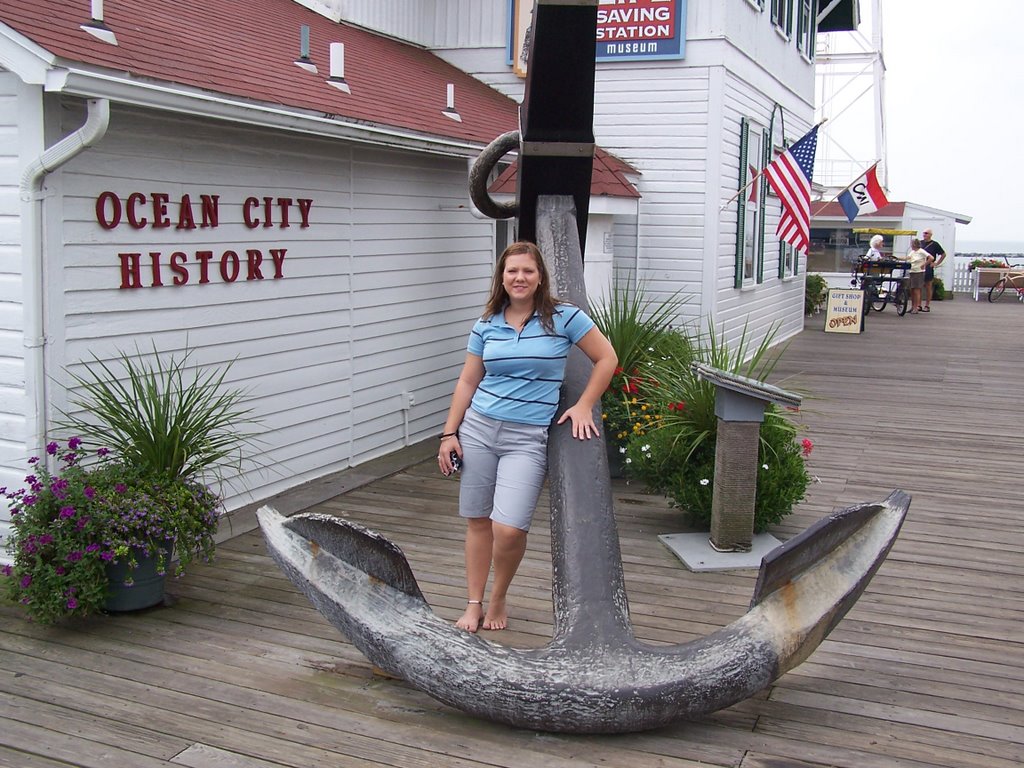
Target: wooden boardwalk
[[926, 670]]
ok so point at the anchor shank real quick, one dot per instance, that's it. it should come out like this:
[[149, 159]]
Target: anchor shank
[[588, 586]]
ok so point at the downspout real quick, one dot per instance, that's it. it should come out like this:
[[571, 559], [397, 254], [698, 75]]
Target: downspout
[[92, 130]]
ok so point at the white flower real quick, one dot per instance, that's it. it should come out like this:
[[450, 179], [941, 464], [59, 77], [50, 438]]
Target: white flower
[[622, 449], [629, 460], [650, 349], [764, 466], [704, 481], [645, 447]]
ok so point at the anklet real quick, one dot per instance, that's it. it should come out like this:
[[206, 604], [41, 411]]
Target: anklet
[[475, 602]]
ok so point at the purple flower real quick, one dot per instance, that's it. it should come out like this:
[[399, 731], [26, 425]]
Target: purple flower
[[34, 460], [74, 442], [6, 570], [120, 488], [107, 556], [102, 452], [92, 547], [89, 492], [72, 603], [26, 581], [74, 557], [82, 522], [67, 512], [45, 539], [28, 501], [32, 480], [51, 448], [59, 570]]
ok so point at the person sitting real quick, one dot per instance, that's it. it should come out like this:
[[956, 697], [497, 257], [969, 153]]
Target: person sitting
[[875, 248]]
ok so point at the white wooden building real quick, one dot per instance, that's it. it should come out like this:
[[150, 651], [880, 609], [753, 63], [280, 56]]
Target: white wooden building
[[149, 159]]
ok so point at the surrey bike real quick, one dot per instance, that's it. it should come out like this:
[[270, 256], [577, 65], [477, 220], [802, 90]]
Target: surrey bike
[[884, 281]]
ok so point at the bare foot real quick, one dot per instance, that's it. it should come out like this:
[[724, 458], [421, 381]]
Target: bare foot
[[472, 618], [497, 616]]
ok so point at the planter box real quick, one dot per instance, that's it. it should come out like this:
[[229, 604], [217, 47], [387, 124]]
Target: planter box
[[989, 276]]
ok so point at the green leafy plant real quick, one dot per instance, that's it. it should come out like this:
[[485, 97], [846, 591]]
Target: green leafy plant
[[677, 457], [640, 330], [161, 417], [938, 289], [95, 511], [815, 293]]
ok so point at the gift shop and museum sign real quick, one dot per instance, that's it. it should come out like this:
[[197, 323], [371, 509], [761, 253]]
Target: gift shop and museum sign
[[154, 211]]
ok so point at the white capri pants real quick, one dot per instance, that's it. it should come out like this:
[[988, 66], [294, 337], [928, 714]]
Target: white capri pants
[[503, 467]]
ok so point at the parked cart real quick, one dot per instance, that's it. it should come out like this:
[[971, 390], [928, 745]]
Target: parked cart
[[884, 281]]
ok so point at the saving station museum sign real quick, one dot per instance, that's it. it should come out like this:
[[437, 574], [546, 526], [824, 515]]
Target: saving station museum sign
[[154, 269], [626, 30]]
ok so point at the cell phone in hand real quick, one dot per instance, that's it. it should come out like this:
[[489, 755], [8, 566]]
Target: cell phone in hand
[[456, 461]]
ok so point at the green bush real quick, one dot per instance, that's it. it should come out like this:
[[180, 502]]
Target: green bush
[[675, 454], [938, 289], [660, 460], [815, 293]]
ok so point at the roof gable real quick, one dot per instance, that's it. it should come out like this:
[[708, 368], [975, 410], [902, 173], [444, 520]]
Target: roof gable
[[608, 178], [247, 50]]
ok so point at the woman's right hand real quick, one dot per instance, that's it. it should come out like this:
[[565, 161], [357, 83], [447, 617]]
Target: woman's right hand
[[444, 454]]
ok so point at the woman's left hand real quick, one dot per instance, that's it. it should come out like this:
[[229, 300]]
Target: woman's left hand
[[583, 426]]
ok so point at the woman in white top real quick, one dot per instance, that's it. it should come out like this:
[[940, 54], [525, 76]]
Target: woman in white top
[[919, 258], [875, 248]]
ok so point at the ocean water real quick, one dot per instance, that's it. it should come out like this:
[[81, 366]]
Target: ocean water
[[990, 246]]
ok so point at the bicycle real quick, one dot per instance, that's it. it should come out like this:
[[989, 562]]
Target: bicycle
[[1011, 279], [881, 287]]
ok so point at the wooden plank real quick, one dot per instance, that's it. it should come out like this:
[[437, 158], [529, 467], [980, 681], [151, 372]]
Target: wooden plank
[[924, 672]]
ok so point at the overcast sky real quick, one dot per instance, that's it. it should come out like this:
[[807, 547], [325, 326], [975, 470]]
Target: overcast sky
[[954, 88]]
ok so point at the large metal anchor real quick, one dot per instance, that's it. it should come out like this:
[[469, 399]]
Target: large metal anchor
[[594, 676]]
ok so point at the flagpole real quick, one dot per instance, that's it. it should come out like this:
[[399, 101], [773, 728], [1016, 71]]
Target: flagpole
[[744, 188], [867, 170]]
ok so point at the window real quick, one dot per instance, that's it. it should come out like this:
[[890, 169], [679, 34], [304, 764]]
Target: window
[[782, 16], [806, 25], [750, 205], [789, 260]]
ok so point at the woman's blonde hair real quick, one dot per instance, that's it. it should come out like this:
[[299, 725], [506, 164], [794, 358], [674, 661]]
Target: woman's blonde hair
[[876, 241], [543, 301]]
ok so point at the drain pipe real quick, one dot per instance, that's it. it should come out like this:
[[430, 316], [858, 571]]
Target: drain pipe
[[92, 130]]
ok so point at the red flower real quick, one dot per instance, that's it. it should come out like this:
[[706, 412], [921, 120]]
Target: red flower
[[807, 447]]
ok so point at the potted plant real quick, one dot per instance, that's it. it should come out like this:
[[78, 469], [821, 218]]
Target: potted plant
[[83, 533], [815, 293], [86, 524]]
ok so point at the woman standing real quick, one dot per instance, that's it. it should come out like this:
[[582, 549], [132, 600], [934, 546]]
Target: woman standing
[[497, 425], [919, 259]]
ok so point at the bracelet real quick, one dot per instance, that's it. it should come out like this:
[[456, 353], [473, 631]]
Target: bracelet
[[448, 434]]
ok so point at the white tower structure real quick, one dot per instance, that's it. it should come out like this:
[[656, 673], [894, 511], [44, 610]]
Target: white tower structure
[[850, 94]]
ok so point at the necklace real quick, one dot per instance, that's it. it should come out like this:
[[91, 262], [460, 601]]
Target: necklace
[[518, 320]]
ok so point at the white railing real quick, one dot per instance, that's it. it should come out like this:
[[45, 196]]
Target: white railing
[[963, 280]]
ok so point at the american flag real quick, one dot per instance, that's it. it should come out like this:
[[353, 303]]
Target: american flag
[[790, 177]]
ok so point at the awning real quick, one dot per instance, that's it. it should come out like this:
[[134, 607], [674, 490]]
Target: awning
[[880, 231]]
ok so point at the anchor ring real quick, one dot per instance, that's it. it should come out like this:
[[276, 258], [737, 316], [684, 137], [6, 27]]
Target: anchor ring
[[481, 171]]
